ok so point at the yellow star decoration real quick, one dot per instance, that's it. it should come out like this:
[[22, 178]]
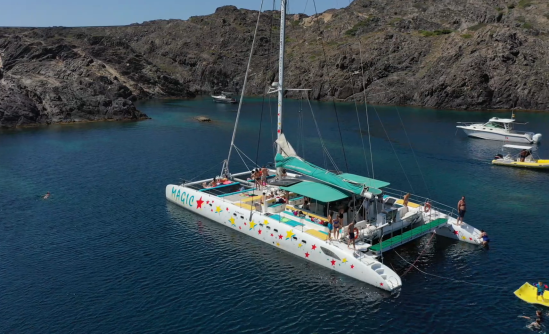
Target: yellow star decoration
[[463, 237], [299, 246], [289, 234], [232, 221], [252, 224], [277, 244], [344, 260], [266, 222], [218, 209]]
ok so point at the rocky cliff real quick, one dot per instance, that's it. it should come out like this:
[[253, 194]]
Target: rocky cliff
[[465, 54]]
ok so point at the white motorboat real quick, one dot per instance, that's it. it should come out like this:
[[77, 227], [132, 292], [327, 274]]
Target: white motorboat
[[224, 97], [290, 209], [499, 129]]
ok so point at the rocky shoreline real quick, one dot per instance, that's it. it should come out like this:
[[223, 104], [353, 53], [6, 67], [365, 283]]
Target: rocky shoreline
[[463, 54]]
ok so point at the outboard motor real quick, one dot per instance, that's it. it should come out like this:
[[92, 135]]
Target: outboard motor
[[498, 156], [537, 138]]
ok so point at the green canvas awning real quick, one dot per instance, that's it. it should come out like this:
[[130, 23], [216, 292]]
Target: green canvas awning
[[319, 191], [368, 182], [303, 167]]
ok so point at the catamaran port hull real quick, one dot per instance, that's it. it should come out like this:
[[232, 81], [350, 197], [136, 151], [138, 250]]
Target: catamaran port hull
[[285, 237]]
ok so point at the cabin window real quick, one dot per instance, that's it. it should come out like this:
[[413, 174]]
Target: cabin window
[[276, 230], [295, 238], [241, 217], [268, 227], [303, 241], [260, 224], [329, 253]]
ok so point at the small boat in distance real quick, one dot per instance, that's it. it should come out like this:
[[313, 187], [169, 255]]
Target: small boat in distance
[[224, 97], [499, 129], [524, 158]]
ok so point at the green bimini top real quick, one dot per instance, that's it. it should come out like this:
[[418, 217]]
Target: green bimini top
[[368, 182], [319, 191], [301, 166]]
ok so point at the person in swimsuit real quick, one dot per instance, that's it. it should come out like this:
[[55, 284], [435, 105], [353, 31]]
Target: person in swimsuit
[[539, 315], [536, 326], [541, 289], [485, 238], [330, 224], [264, 173], [352, 234], [337, 225], [257, 178], [46, 196], [462, 208]]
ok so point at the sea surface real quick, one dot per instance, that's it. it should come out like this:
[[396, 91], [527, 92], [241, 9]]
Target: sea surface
[[108, 254]]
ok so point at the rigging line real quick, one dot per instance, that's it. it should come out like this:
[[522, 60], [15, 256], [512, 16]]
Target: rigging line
[[264, 92], [366, 107], [245, 82], [269, 96], [449, 278], [413, 153], [239, 150], [333, 98], [393, 147], [358, 120], [320, 137], [199, 175]]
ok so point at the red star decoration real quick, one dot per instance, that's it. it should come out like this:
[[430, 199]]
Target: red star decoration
[[307, 254], [272, 235], [381, 284], [333, 262], [278, 131], [352, 266], [199, 203], [314, 247], [259, 232], [456, 232], [207, 202], [240, 227], [227, 209], [212, 210], [470, 238], [280, 236], [244, 223]]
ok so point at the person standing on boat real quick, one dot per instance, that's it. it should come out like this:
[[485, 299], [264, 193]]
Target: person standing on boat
[[351, 229], [330, 224], [257, 178], [264, 173], [462, 208], [337, 225]]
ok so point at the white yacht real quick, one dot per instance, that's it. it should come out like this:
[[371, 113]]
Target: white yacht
[[290, 210], [499, 129], [224, 97]]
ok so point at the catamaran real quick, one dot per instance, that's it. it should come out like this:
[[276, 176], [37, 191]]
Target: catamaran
[[288, 207]]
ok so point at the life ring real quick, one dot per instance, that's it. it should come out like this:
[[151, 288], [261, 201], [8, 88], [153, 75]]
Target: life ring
[[427, 207], [355, 231]]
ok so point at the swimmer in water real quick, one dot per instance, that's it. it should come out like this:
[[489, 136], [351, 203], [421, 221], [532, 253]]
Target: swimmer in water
[[536, 326], [46, 196], [539, 315]]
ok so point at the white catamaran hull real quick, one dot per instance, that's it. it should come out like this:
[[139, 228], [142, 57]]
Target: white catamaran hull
[[280, 235]]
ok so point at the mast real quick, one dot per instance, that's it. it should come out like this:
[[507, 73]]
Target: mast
[[281, 68]]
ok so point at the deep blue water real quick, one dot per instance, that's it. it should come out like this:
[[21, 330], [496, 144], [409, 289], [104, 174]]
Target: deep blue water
[[107, 253]]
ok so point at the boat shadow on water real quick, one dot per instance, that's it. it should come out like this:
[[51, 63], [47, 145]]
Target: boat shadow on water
[[209, 234]]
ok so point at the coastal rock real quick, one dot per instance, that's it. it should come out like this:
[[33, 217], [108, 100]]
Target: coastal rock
[[462, 54]]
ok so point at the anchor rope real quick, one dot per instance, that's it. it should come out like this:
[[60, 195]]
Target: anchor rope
[[449, 278]]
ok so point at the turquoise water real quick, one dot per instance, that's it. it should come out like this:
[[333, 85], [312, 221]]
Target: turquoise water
[[107, 253]]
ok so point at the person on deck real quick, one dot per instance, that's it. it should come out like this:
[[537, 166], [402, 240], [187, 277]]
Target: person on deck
[[330, 224], [462, 208], [524, 154], [351, 230], [284, 174], [264, 174], [337, 225], [257, 178], [541, 289]]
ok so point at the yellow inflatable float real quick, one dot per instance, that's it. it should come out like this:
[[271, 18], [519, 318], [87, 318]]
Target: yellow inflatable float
[[528, 293]]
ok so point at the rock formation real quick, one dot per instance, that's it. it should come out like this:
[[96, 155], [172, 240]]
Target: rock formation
[[464, 54]]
